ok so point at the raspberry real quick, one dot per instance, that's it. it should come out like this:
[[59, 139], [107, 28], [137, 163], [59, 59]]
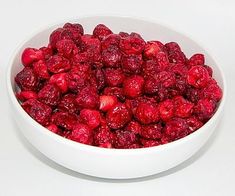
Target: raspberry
[[99, 78], [153, 131], [175, 54], [132, 63], [59, 34], [166, 110], [150, 143], [31, 55], [46, 51], [151, 49], [179, 69], [151, 85], [150, 68], [115, 91], [123, 34], [78, 76], [90, 117], [101, 31], [212, 91], [166, 79], [192, 94], [118, 116], [198, 76], [58, 64], [40, 69], [25, 95], [204, 109], [147, 113], [66, 48], [88, 98], [38, 111], [183, 108], [132, 44], [176, 128], [163, 61], [123, 139], [197, 59], [64, 120], [134, 127], [75, 28], [53, 128], [61, 81], [133, 86], [107, 102], [81, 133], [110, 41], [209, 70], [114, 77], [180, 87], [68, 104], [111, 56], [27, 79], [193, 123]]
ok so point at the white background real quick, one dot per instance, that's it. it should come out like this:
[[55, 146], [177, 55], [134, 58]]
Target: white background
[[24, 171]]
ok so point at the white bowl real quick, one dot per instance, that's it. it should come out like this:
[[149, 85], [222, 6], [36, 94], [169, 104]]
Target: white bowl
[[113, 163]]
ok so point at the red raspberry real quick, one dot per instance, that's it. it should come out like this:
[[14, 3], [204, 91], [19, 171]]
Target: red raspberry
[[115, 91], [134, 127], [183, 107], [212, 91], [59, 34], [163, 61], [166, 79], [153, 131], [61, 81], [192, 94], [196, 59], [40, 69], [176, 128], [193, 123], [75, 28], [64, 120], [132, 44], [132, 63], [101, 31], [175, 54], [27, 79], [133, 86], [31, 55], [107, 102], [150, 68], [49, 95], [110, 41], [151, 49], [58, 64], [46, 51], [99, 78], [151, 85], [179, 88], [123, 34], [118, 116], [90, 118], [166, 110], [79, 59], [209, 70], [81, 133], [114, 77], [78, 77], [111, 56], [149, 143], [53, 128], [92, 46], [198, 76], [204, 109], [179, 69], [66, 48], [68, 104], [25, 95], [133, 146], [38, 111], [103, 137], [88, 98], [147, 113], [123, 139]]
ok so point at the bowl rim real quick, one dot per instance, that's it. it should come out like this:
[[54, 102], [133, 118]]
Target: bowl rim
[[97, 149]]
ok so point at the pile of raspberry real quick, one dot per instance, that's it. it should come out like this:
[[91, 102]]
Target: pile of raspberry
[[115, 90]]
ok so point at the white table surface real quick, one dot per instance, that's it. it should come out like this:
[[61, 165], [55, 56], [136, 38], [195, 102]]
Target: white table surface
[[25, 171]]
